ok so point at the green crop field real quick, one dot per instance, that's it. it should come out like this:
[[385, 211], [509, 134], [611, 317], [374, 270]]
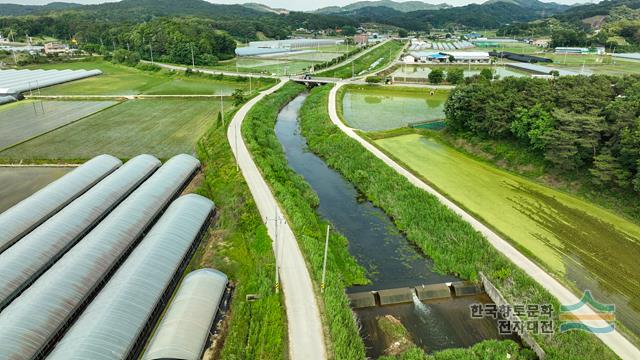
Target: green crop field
[[370, 62], [408, 72], [23, 120], [265, 66], [123, 80], [373, 108], [584, 245], [161, 128]]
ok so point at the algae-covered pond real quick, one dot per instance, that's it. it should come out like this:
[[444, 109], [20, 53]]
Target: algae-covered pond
[[580, 243], [19, 183], [375, 108]]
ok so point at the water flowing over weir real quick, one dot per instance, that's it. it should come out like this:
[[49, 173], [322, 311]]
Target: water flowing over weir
[[390, 259]]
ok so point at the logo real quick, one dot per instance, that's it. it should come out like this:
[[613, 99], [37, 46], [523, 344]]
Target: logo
[[599, 321]]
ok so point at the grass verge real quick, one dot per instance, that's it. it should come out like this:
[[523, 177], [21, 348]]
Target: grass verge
[[454, 246], [298, 202]]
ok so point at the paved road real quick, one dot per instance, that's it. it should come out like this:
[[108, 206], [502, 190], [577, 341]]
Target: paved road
[[306, 338], [619, 344], [353, 58]]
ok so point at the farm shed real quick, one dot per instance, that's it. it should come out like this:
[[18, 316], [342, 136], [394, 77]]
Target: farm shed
[[185, 327], [256, 51], [26, 215], [468, 56], [34, 320], [294, 43], [540, 69], [116, 323], [22, 263]]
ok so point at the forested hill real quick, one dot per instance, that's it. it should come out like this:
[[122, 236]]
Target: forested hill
[[488, 15], [406, 6], [19, 10]]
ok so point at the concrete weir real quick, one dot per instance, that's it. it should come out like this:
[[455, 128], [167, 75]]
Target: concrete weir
[[405, 295]]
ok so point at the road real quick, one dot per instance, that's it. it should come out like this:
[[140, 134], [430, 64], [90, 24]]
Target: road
[[619, 344], [306, 338]]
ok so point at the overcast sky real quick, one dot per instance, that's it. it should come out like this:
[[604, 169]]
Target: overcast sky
[[289, 4]]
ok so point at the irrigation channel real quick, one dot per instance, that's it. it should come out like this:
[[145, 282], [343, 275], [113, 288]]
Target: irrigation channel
[[390, 259]]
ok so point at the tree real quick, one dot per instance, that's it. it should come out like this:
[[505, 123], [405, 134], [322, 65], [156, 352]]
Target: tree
[[607, 171], [238, 97], [348, 30], [486, 73], [373, 79], [455, 76], [533, 126], [436, 76], [403, 33]]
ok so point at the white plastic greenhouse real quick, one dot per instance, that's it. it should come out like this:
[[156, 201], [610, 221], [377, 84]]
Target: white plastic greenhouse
[[19, 81], [23, 262], [26, 215], [32, 323], [184, 330], [116, 323]]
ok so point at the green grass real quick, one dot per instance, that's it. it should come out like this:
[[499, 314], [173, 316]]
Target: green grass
[[573, 239], [124, 80], [363, 65], [265, 66], [161, 128], [240, 247], [23, 120], [455, 247], [374, 108], [298, 202]]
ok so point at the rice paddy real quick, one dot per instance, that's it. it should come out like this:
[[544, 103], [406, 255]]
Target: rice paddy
[[585, 246], [267, 66], [408, 72], [24, 120], [18, 183], [372, 108], [162, 128]]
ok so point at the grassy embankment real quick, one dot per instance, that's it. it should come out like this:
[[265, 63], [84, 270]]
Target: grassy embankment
[[124, 80], [239, 246], [385, 53], [454, 246], [298, 201]]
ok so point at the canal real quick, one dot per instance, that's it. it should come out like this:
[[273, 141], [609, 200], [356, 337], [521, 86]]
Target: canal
[[390, 260]]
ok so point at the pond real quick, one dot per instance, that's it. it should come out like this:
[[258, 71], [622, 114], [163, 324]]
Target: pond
[[390, 260], [375, 109]]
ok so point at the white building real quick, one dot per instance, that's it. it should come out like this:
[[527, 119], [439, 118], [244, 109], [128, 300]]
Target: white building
[[409, 59], [468, 56]]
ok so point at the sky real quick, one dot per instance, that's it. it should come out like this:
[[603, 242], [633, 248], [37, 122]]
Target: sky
[[288, 4]]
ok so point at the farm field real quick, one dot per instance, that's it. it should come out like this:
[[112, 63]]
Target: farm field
[[370, 62], [422, 71], [267, 66], [584, 245], [161, 128], [372, 108], [20, 182], [123, 80], [23, 120], [596, 64]]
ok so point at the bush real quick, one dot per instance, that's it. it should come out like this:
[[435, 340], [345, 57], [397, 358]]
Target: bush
[[373, 79], [436, 76], [455, 76], [486, 73], [148, 67], [125, 57]]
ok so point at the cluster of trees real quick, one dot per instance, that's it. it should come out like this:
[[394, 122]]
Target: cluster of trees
[[576, 123]]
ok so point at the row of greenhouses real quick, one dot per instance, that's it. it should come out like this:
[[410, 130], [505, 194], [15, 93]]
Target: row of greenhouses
[[90, 274]]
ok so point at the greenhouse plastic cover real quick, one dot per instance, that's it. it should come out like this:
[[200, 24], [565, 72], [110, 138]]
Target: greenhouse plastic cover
[[23, 217], [27, 259], [33, 319], [17, 81], [111, 324], [184, 330]]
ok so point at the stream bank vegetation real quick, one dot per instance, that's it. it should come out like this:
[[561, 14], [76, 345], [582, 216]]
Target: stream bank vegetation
[[298, 202], [240, 246], [455, 247]]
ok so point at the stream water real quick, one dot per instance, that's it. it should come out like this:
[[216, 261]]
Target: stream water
[[390, 259]]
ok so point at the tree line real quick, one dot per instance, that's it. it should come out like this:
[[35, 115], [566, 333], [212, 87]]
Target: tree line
[[578, 124]]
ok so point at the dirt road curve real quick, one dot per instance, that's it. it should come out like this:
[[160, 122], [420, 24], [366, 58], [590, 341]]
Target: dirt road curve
[[306, 339], [619, 344]]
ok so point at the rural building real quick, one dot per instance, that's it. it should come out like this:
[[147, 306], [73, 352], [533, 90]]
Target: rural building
[[424, 56], [294, 43], [55, 48], [571, 50], [468, 56], [628, 56], [409, 59], [472, 36], [519, 57], [361, 39], [543, 43]]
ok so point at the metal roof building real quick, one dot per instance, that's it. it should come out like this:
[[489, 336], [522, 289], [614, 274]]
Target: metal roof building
[[114, 325], [22, 263], [542, 69], [185, 327], [295, 43], [18, 81], [256, 51], [26, 215], [34, 320]]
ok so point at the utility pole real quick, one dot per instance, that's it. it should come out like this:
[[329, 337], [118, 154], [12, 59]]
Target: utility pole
[[324, 262], [193, 59], [222, 109], [151, 50], [276, 220]]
